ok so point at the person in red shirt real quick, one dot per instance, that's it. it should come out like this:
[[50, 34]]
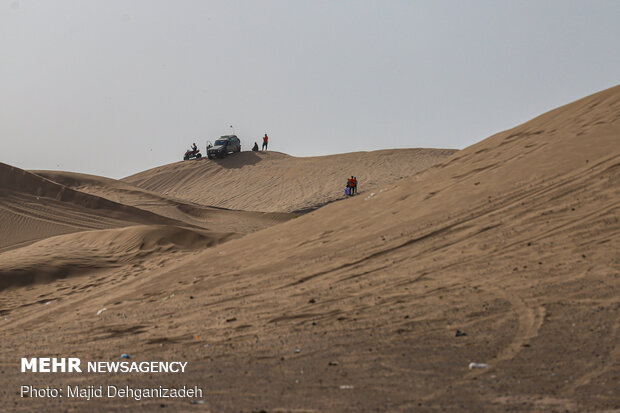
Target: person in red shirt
[[265, 142], [351, 185]]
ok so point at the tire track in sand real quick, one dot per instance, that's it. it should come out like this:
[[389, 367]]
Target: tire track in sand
[[531, 318]]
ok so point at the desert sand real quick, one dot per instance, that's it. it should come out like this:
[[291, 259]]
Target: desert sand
[[352, 307], [276, 182]]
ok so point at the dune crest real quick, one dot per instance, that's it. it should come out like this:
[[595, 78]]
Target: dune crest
[[200, 215], [33, 208], [275, 182]]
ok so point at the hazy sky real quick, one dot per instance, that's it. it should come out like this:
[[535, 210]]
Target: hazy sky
[[116, 87]]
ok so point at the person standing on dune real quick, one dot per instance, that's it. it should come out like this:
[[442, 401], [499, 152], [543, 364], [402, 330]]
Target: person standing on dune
[[265, 142], [351, 185]]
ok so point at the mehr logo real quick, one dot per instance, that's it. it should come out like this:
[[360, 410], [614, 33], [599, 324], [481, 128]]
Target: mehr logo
[[72, 365], [51, 365]]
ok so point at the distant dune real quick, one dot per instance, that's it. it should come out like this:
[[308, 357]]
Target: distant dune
[[276, 182], [204, 216], [33, 208], [504, 253]]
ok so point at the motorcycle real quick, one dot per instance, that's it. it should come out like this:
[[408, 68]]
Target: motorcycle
[[191, 154]]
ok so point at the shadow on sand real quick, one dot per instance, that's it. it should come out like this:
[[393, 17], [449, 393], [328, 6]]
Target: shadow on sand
[[238, 160]]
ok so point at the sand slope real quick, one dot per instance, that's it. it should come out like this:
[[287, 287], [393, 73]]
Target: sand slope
[[204, 216], [355, 306], [33, 208], [513, 240], [276, 182], [85, 252]]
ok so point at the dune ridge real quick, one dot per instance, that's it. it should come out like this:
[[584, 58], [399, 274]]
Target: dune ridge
[[276, 182], [205, 216], [33, 208]]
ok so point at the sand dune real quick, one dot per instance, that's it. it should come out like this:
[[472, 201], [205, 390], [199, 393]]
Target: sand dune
[[34, 208], [276, 182], [85, 252], [355, 306], [204, 216]]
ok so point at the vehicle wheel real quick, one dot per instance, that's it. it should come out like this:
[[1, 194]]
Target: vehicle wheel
[[224, 154], [209, 156], [199, 156], [185, 158]]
